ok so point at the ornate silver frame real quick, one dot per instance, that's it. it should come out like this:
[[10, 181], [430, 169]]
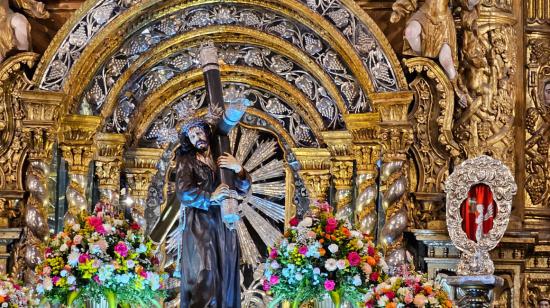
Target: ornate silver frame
[[475, 259]]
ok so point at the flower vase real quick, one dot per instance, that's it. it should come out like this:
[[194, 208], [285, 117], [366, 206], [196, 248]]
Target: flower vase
[[102, 303]]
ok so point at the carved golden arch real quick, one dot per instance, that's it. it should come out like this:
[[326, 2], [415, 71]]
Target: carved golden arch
[[223, 34], [165, 95], [111, 36]]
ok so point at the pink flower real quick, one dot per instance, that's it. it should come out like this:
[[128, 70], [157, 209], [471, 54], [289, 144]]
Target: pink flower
[[274, 280], [374, 276], [294, 221], [100, 229], [95, 221], [48, 252], [311, 234], [83, 258], [390, 295], [77, 239], [332, 222], [55, 279], [329, 285], [419, 300], [302, 250], [354, 258], [329, 229], [47, 270], [367, 269], [266, 286], [121, 249], [102, 244], [370, 251], [273, 254], [408, 298], [96, 279]]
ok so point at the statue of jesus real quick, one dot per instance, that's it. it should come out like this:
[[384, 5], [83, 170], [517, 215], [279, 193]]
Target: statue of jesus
[[210, 251]]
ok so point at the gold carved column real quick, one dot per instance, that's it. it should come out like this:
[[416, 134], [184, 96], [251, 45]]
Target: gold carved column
[[366, 151], [76, 139], [340, 148], [108, 163], [140, 165], [314, 171], [41, 109], [396, 136]]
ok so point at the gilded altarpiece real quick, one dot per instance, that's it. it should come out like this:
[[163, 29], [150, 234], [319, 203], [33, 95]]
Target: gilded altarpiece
[[340, 113]]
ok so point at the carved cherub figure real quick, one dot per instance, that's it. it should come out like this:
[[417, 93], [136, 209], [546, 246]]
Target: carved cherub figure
[[16, 30], [430, 31]]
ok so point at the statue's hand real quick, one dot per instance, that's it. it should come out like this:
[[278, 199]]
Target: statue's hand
[[228, 161], [220, 193]]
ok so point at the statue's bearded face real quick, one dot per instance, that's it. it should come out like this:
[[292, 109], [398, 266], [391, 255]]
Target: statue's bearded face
[[197, 137]]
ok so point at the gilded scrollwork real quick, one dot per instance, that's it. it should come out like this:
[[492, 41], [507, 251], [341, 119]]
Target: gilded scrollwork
[[538, 125], [486, 87]]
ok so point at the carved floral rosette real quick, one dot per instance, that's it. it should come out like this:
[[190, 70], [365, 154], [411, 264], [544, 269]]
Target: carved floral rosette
[[475, 259]]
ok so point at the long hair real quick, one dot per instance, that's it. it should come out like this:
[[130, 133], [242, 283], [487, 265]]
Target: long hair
[[185, 144]]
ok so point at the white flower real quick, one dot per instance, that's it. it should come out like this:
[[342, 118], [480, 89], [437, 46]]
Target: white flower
[[384, 265], [330, 265], [63, 247], [356, 234], [76, 227], [275, 265], [298, 276], [360, 244], [341, 264], [393, 280], [316, 271], [108, 228], [306, 223], [357, 280], [383, 301], [48, 285], [333, 248], [130, 263]]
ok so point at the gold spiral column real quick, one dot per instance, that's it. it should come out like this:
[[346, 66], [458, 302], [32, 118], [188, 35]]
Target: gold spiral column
[[314, 171], [339, 146], [140, 165], [396, 136], [108, 163], [76, 138], [38, 128], [366, 150]]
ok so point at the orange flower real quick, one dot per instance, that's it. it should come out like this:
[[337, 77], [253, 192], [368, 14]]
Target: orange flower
[[391, 305], [322, 240], [448, 304], [322, 251], [327, 236], [428, 289], [377, 258], [2, 299], [371, 261], [333, 237], [346, 231]]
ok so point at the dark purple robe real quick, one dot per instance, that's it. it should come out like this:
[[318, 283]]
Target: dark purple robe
[[210, 252]]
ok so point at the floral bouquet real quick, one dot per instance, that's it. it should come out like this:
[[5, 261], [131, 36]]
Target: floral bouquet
[[411, 290], [101, 256], [320, 256], [13, 295]]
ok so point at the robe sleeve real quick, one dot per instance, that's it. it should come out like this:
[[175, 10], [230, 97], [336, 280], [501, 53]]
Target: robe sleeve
[[188, 191], [242, 182]]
